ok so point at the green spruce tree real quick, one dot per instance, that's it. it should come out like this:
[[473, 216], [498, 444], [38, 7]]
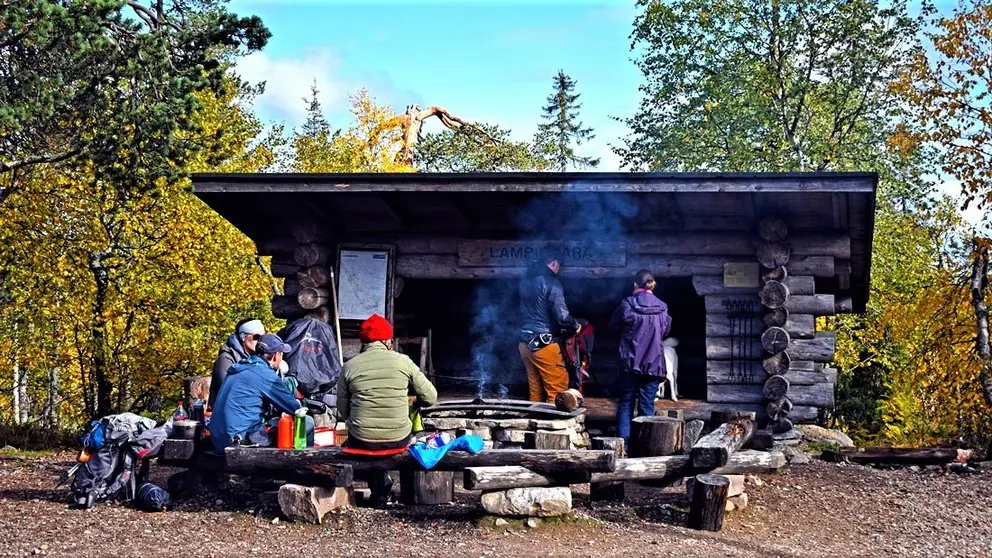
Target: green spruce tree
[[561, 131]]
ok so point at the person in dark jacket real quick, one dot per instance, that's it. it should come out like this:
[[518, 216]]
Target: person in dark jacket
[[643, 322], [546, 320], [238, 347], [240, 409]]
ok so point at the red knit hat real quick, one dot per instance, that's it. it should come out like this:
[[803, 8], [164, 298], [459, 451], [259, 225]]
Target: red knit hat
[[376, 328]]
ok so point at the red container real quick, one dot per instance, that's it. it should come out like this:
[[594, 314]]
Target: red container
[[284, 435]]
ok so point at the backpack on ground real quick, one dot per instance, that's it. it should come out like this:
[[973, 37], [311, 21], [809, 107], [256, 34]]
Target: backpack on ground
[[119, 464]]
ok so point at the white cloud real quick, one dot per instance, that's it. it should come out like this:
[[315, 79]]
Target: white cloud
[[608, 160], [288, 81]]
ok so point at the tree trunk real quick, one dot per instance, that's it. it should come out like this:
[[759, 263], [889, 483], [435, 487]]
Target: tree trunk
[[979, 291], [709, 502], [98, 334], [17, 391]]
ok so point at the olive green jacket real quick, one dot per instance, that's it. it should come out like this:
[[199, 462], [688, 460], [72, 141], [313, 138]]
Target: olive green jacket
[[372, 394]]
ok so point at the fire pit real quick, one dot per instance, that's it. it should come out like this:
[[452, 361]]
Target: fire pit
[[508, 423]]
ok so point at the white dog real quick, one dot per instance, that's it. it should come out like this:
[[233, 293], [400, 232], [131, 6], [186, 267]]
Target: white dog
[[672, 367]]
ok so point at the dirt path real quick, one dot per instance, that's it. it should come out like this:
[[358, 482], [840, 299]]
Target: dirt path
[[819, 509]]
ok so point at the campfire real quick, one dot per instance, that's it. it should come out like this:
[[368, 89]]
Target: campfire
[[509, 423]]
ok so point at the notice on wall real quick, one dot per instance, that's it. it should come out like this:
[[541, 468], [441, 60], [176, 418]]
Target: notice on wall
[[509, 253], [743, 275], [362, 283]]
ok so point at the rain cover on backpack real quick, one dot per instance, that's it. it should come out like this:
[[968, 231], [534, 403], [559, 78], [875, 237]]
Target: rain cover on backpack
[[110, 472], [313, 361]]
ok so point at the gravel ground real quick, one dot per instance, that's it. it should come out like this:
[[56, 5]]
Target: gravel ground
[[819, 509]]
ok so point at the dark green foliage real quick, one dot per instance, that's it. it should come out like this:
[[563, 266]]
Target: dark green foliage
[[561, 130], [469, 150], [110, 82]]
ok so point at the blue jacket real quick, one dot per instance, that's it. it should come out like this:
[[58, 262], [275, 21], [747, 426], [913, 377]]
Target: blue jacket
[[239, 408], [643, 321]]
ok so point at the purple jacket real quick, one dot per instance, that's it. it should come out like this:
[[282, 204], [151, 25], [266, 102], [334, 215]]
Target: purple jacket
[[643, 321]]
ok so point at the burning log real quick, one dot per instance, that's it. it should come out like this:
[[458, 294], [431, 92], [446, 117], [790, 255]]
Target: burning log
[[569, 400]]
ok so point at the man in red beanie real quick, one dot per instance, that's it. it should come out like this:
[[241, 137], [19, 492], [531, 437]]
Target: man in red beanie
[[373, 391]]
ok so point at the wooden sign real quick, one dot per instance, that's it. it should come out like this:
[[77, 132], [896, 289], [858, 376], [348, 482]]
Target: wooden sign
[[509, 253], [742, 275]]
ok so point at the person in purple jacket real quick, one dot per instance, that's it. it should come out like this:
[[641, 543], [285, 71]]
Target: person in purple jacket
[[643, 322]]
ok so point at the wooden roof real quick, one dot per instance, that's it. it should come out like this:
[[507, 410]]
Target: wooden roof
[[495, 205]]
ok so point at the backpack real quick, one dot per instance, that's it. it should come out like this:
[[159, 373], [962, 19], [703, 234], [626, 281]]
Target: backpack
[[114, 468], [313, 360]]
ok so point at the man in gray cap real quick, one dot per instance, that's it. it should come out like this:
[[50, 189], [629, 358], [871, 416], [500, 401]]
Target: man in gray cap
[[238, 347], [239, 412]]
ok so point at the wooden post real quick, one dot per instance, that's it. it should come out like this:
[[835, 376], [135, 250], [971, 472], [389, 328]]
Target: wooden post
[[709, 502], [613, 491], [655, 436], [426, 488]]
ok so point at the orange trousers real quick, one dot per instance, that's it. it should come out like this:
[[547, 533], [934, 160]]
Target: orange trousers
[[546, 372]]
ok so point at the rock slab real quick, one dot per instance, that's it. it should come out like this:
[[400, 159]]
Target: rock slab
[[538, 501], [814, 433], [309, 504]]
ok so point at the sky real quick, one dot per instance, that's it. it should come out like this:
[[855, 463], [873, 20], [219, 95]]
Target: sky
[[488, 61]]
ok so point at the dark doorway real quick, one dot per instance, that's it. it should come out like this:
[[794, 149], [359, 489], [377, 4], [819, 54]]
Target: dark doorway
[[474, 329]]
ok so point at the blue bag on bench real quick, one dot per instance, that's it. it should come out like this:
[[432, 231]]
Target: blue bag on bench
[[428, 457]]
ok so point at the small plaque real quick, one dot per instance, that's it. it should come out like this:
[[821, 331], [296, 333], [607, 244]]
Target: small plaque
[[741, 275]]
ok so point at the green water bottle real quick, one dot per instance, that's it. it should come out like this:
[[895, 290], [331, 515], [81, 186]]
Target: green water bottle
[[300, 429]]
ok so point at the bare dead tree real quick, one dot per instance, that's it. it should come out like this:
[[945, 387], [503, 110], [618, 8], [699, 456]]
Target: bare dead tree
[[413, 120]]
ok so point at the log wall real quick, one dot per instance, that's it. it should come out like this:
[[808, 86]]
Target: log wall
[[306, 262]]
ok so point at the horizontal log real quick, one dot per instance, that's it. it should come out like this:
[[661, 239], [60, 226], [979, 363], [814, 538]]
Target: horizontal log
[[287, 307], [646, 468], [752, 462], [541, 461], [446, 267], [291, 286], [315, 276], [831, 374], [514, 476], [815, 395], [715, 448], [753, 373], [896, 456], [284, 269], [817, 266], [817, 305], [819, 349], [703, 409], [308, 231], [844, 305], [628, 469], [719, 348], [799, 326]]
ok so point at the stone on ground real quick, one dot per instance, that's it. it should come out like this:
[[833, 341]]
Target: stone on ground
[[740, 501], [309, 504], [533, 522], [814, 433], [539, 501]]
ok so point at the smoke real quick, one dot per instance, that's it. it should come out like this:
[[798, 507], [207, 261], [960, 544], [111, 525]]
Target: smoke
[[574, 216]]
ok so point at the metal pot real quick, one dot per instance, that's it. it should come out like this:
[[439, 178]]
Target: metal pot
[[185, 429]]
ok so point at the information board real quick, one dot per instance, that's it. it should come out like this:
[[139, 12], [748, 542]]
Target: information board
[[364, 277]]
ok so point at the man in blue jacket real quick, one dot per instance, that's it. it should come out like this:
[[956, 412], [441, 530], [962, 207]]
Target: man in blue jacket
[[239, 412], [643, 322]]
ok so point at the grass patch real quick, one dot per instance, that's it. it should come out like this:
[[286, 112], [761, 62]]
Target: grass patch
[[35, 437], [820, 447]]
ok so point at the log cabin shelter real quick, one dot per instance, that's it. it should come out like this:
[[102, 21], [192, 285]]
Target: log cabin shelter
[[745, 262]]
